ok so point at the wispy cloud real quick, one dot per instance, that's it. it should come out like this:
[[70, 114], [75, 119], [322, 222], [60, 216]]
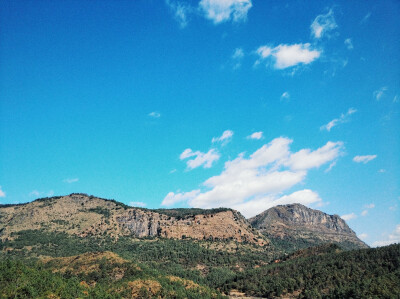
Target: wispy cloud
[[285, 96], [342, 119], [365, 18], [364, 159], [2, 193], [255, 135], [394, 237], [349, 43], [369, 206], [378, 94], [34, 193], [220, 11], [181, 11], [285, 56], [201, 159], [348, 217], [137, 204], [155, 114], [237, 58], [71, 180], [257, 182], [224, 138], [323, 24]]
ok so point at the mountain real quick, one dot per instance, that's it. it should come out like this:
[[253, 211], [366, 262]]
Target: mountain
[[82, 215], [81, 246], [295, 226]]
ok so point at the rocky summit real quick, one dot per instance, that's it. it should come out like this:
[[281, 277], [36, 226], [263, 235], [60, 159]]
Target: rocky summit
[[298, 226]]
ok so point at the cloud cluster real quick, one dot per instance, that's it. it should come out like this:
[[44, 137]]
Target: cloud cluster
[[342, 119], [201, 159], [394, 237], [285, 56], [323, 24], [257, 182], [364, 159], [220, 11]]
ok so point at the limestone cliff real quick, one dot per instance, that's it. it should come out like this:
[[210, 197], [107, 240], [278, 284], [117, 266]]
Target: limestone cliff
[[305, 227], [84, 215]]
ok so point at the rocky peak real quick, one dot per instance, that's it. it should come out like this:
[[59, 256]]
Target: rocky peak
[[306, 225]]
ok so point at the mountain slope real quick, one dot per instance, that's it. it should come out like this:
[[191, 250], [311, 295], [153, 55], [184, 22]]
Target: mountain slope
[[295, 226], [83, 215]]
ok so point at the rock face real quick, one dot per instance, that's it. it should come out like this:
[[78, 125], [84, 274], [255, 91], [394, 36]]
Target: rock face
[[84, 215], [305, 227]]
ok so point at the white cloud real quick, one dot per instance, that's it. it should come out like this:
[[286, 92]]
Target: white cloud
[[394, 237], [342, 119], [201, 159], [285, 96], [381, 170], [378, 94], [255, 135], [173, 171], [173, 198], [180, 10], [323, 24], [364, 159], [348, 217], [154, 114], [364, 213], [137, 204], [257, 182], [287, 55], [363, 236], [2, 193], [70, 181], [224, 138], [369, 206], [306, 159], [220, 11], [349, 44], [255, 206]]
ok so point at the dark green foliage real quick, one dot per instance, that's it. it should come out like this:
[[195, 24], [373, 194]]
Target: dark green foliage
[[184, 213], [35, 280], [365, 273], [102, 211], [319, 272]]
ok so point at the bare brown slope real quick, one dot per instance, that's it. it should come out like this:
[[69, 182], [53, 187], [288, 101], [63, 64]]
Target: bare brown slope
[[302, 225], [84, 215]]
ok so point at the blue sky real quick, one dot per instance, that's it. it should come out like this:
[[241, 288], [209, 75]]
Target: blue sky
[[237, 103]]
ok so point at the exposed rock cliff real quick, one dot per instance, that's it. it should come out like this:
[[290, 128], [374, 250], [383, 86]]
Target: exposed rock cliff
[[302, 227], [84, 215]]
